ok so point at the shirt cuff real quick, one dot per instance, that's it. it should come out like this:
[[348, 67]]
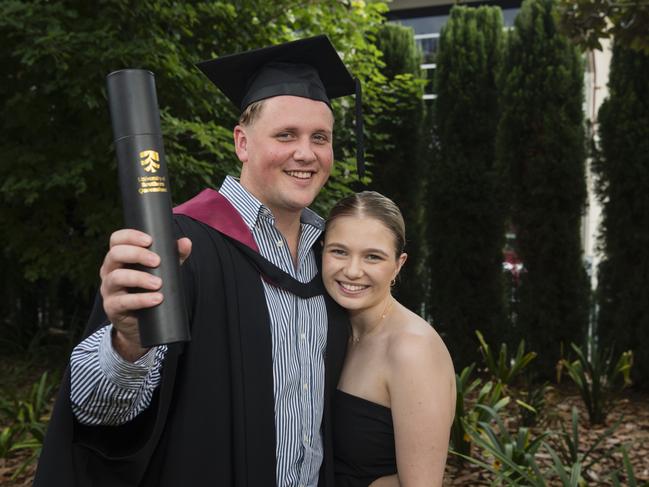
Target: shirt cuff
[[121, 372]]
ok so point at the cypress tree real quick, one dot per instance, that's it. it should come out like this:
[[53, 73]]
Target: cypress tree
[[623, 171], [466, 217], [398, 168], [542, 149]]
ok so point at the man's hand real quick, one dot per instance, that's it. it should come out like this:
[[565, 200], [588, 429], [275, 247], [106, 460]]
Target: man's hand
[[128, 248]]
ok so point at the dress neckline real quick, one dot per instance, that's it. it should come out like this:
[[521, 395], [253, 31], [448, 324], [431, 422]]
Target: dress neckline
[[362, 399]]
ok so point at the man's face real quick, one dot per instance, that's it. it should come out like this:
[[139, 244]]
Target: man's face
[[287, 153]]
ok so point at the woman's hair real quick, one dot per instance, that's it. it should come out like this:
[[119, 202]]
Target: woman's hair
[[373, 205]]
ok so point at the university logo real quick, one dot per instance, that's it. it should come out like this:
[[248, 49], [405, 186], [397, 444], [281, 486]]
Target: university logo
[[149, 160]]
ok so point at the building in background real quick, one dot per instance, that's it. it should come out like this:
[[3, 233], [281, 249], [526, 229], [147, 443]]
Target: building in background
[[426, 18]]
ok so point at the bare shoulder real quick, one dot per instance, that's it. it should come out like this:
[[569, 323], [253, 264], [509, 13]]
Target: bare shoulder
[[415, 343]]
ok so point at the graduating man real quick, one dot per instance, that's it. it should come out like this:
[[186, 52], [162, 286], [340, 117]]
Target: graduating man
[[246, 402]]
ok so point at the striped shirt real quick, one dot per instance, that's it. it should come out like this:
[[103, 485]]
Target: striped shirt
[[109, 390]]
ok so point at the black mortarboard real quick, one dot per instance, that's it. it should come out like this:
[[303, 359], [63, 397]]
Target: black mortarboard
[[309, 68]]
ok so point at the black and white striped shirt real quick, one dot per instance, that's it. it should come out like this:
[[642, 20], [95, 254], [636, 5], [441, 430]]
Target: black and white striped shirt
[[109, 390]]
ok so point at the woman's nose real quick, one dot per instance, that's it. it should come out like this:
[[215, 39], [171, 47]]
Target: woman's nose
[[353, 269]]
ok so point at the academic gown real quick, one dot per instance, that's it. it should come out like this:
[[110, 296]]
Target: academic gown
[[211, 421]]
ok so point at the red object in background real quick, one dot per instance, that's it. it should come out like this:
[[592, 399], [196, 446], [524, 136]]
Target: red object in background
[[512, 264]]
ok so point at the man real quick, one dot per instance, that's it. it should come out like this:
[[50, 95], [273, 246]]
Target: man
[[246, 402]]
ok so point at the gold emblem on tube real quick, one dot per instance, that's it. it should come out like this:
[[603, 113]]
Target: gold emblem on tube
[[149, 160]]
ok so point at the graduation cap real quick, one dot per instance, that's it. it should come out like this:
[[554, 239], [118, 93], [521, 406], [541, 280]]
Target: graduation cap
[[310, 68]]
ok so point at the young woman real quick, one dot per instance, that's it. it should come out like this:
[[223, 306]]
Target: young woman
[[396, 396]]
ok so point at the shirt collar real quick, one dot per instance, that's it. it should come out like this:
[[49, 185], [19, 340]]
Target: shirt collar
[[251, 209]]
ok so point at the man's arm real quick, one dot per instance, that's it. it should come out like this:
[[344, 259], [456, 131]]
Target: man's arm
[[112, 376], [106, 389]]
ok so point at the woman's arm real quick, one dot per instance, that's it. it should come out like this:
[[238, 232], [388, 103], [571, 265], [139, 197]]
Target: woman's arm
[[421, 382], [391, 481]]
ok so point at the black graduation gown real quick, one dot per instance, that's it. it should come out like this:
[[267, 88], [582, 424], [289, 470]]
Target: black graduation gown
[[211, 421]]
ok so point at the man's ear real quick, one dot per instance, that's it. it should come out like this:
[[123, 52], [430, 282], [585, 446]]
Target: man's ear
[[241, 143]]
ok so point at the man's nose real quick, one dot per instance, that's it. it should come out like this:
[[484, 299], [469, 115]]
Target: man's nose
[[304, 152]]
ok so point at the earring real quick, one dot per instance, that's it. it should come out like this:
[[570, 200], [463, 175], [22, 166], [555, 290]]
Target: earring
[[393, 282]]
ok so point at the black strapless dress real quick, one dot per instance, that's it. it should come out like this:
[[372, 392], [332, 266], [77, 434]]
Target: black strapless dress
[[363, 441]]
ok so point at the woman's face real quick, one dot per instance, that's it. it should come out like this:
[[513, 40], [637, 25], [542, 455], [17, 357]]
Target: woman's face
[[359, 262]]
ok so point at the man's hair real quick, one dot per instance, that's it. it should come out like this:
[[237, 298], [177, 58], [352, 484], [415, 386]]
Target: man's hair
[[251, 113], [371, 204]]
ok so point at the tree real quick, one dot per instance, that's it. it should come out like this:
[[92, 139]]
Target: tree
[[588, 21], [398, 169], [466, 218], [623, 178], [59, 198], [541, 150]]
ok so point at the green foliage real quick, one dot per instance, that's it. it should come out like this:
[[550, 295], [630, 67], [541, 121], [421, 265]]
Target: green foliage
[[623, 179], [598, 378], [513, 453], [505, 369], [469, 414], [466, 217], [58, 196], [571, 450], [398, 168], [631, 480], [531, 403], [541, 150], [589, 21], [27, 421]]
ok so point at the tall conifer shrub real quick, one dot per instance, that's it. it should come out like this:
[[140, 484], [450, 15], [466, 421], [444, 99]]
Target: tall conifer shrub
[[398, 157], [466, 218], [623, 171], [541, 147]]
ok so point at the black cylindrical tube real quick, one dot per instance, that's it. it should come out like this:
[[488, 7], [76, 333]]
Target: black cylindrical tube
[[146, 199]]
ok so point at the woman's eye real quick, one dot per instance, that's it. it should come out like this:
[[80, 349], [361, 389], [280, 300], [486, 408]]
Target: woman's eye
[[373, 257], [337, 252]]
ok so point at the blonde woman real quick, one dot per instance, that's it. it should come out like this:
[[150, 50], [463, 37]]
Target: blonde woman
[[396, 396]]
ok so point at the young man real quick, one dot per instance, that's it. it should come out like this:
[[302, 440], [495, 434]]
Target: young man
[[246, 402]]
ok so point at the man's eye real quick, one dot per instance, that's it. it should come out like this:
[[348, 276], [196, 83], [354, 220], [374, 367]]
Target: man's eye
[[284, 136], [320, 138]]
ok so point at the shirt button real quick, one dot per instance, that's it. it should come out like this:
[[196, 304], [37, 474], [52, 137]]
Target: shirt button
[[305, 386], [302, 336], [280, 243], [306, 439]]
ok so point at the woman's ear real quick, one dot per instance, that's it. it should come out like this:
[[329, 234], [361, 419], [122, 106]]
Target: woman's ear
[[241, 143], [400, 261]]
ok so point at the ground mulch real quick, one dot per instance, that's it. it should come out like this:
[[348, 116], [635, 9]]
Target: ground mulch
[[631, 409]]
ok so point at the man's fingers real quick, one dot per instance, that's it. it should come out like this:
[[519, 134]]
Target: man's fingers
[[184, 248], [129, 236], [122, 305], [119, 279], [122, 255]]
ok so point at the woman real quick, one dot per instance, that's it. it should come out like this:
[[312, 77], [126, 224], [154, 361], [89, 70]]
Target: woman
[[396, 396]]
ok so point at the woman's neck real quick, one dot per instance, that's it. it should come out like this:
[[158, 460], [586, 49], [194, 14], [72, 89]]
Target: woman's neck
[[367, 321]]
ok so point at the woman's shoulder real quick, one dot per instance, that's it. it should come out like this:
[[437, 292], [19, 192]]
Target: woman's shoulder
[[415, 342]]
